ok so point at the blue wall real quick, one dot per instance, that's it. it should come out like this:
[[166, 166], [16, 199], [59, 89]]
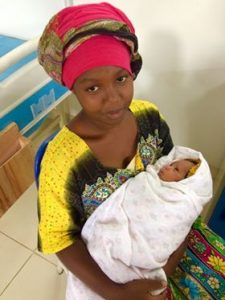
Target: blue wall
[[217, 220]]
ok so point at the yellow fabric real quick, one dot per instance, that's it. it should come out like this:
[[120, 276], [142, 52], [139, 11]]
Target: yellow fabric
[[67, 152], [131, 165], [59, 159], [194, 168]]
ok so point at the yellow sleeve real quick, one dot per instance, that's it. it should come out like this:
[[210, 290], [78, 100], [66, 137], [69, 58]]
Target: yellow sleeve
[[55, 218]]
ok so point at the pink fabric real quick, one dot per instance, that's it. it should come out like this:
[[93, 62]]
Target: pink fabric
[[100, 50], [76, 16]]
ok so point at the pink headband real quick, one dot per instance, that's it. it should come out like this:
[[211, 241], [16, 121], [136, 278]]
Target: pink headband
[[98, 51]]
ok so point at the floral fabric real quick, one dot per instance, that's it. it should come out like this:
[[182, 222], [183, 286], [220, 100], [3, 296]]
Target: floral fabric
[[201, 272]]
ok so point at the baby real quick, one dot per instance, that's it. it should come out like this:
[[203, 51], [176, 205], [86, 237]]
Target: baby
[[144, 221], [178, 170]]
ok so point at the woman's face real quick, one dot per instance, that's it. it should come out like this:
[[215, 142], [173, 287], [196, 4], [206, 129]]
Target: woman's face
[[105, 94]]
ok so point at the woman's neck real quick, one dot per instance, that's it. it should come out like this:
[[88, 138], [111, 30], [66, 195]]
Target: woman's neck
[[113, 146], [85, 127]]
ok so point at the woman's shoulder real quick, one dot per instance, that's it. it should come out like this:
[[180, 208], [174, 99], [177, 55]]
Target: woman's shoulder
[[66, 146], [138, 105]]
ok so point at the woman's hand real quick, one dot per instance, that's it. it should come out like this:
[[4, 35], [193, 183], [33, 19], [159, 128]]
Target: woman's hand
[[174, 259], [139, 290], [78, 260]]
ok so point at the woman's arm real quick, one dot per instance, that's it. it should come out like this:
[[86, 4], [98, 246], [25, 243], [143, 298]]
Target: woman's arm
[[78, 260], [175, 258]]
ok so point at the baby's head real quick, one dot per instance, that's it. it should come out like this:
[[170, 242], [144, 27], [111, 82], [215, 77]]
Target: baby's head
[[177, 170]]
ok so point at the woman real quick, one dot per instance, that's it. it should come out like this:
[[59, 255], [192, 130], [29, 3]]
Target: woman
[[92, 49]]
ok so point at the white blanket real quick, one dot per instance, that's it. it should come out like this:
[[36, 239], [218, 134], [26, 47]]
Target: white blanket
[[134, 232]]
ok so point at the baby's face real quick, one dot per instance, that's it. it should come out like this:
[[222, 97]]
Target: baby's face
[[176, 171]]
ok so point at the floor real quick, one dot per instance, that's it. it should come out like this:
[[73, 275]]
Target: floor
[[25, 273]]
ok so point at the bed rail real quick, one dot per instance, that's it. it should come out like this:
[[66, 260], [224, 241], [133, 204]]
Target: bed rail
[[17, 54]]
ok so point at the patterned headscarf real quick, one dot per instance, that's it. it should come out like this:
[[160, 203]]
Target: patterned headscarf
[[73, 26]]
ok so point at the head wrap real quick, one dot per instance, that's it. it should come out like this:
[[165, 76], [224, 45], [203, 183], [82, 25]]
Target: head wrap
[[74, 27]]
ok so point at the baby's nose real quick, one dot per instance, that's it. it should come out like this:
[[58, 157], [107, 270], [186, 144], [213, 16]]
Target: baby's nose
[[167, 167]]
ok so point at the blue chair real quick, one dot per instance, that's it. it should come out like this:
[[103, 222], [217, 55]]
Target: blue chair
[[39, 155], [37, 167]]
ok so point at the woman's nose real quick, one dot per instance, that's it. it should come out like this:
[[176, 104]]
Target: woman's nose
[[112, 94]]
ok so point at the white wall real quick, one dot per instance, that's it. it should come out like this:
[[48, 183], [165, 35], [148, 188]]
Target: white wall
[[183, 47], [26, 18]]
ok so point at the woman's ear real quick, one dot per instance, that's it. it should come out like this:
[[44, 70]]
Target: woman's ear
[[73, 89]]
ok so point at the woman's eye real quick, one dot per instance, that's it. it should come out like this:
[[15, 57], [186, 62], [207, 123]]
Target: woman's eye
[[92, 89], [122, 78]]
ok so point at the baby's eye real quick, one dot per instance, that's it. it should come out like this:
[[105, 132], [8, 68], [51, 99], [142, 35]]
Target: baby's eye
[[93, 89], [122, 78]]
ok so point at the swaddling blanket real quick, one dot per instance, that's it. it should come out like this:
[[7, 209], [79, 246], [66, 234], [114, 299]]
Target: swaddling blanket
[[133, 233]]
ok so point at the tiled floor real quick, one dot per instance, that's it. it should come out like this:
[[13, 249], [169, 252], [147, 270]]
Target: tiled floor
[[25, 274]]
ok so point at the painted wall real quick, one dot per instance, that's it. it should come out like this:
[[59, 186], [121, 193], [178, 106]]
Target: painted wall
[[26, 18], [183, 47]]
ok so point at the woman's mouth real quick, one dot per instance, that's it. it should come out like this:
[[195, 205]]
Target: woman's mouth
[[115, 114]]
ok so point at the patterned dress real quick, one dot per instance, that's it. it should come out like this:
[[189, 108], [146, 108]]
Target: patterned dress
[[72, 183], [200, 274]]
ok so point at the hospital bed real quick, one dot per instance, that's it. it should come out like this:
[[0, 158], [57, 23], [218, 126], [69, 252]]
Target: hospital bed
[[27, 93]]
